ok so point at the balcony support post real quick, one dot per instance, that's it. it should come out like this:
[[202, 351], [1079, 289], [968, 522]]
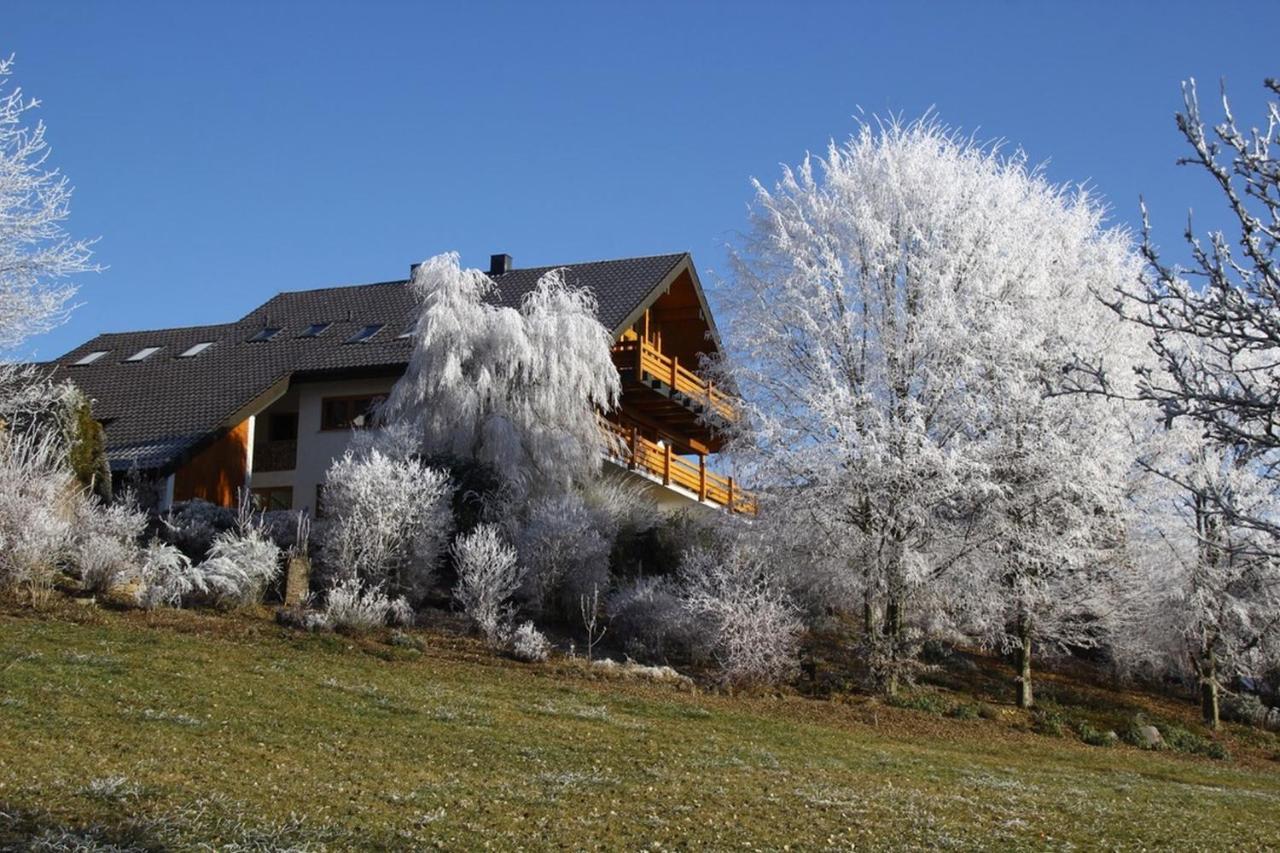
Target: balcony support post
[[702, 477], [666, 464], [730, 504]]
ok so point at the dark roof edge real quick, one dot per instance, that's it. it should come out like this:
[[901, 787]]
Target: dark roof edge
[[197, 327], [386, 283]]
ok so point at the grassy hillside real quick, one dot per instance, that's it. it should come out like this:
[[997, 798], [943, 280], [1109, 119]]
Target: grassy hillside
[[164, 730]]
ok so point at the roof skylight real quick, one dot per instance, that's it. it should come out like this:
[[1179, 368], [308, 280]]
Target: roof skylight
[[365, 334], [143, 354], [91, 357], [195, 349], [265, 334], [315, 330]]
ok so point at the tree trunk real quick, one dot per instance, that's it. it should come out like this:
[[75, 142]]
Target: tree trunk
[[1026, 698], [893, 643], [1209, 692]]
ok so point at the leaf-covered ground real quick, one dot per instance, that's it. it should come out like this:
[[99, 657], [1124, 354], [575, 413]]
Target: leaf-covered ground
[[181, 731]]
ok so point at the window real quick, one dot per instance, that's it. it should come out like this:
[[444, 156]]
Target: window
[[143, 354], [315, 330], [195, 349], [266, 334], [365, 334], [347, 412], [92, 357], [272, 498]]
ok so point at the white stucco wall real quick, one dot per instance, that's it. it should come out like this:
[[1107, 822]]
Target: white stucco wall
[[316, 448]]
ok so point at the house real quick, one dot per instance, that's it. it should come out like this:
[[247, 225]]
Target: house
[[268, 401]]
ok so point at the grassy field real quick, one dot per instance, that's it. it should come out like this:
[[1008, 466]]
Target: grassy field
[[181, 730]]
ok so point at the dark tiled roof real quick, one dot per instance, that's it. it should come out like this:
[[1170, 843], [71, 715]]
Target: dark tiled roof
[[160, 409]]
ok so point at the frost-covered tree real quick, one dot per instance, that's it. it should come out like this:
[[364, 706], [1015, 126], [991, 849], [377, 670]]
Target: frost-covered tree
[[36, 253], [517, 390], [1049, 500], [387, 521], [1215, 324], [1207, 605], [864, 303]]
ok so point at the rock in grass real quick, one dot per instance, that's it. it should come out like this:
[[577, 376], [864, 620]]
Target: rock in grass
[[1149, 737]]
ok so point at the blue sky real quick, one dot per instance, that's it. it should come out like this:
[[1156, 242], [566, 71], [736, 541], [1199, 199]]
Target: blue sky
[[227, 151]]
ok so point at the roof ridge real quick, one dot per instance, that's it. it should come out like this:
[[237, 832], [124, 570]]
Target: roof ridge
[[163, 329], [599, 261], [337, 287]]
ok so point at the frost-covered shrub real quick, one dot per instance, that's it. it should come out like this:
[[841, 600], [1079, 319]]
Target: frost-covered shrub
[[564, 548], [754, 627], [353, 606], [193, 525], [304, 619], [529, 644], [647, 616], [1248, 708], [38, 499], [165, 576], [629, 518], [489, 573], [104, 550], [283, 526], [240, 566], [387, 521], [242, 563], [657, 549]]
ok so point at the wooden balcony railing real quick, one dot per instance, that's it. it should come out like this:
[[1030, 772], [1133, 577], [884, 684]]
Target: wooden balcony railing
[[659, 460], [275, 455], [649, 362]]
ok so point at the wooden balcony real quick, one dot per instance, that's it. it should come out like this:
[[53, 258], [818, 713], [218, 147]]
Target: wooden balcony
[[644, 363], [661, 462], [275, 455]]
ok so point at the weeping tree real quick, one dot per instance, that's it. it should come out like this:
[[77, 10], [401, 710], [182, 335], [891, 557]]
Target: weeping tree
[[871, 305], [518, 390]]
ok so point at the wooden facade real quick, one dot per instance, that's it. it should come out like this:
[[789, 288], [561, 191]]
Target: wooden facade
[[665, 424], [218, 473]]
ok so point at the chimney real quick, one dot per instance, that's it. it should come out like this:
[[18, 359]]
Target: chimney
[[499, 264]]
